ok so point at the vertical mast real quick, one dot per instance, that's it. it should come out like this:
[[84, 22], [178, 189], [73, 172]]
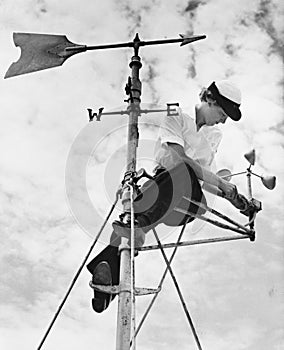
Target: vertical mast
[[124, 298]]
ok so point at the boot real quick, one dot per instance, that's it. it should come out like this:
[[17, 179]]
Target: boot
[[101, 275]]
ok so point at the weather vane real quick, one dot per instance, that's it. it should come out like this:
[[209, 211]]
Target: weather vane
[[44, 51]]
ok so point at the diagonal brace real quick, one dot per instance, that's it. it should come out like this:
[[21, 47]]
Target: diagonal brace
[[216, 223], [179, 292], [215, 212], [161, 282]]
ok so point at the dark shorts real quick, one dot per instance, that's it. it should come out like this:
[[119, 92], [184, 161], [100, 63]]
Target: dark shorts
[[158, 198], [155, 204]]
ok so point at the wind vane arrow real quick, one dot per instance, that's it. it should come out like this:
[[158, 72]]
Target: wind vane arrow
[[43, 51]]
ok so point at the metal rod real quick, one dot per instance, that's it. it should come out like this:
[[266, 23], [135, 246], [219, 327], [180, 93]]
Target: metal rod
[[256, 174], [170, 41], [137, 43], [249, 184], [146, 111], [161, 281], [133, 311], [251, 220], [213, 222], [124, 298], [240, 173], [215, 212], [77, 274], [179, 292], [156, 110], [117, 112], [195, 242], [100, 47], [252, 215]]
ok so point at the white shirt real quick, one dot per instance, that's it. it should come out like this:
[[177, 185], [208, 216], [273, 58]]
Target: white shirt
[[181, 129]]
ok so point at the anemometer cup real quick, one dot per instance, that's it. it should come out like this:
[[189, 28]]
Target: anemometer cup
[[268, 181]]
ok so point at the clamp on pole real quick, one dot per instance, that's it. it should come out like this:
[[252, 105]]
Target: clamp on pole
[[117, 289], [128, 90]]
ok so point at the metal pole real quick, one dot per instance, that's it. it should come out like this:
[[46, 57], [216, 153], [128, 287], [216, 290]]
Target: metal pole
[[249, 183], [124, 297], [195, 242], [251, 215], [132, 252]]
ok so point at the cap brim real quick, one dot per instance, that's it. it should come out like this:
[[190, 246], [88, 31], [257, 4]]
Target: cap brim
[[230, 108]]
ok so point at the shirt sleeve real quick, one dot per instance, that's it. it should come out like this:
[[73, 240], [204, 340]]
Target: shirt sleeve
[[171, 129]]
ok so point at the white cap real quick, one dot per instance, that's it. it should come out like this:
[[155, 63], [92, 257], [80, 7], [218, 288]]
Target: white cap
[[228, 96], [229, 90]]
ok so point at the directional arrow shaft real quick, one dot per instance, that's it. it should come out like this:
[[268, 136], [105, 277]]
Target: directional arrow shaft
[[183, 40]]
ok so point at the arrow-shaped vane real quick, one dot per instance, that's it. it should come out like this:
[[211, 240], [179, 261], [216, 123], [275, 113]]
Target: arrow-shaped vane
[[43, 51], [40, 51]]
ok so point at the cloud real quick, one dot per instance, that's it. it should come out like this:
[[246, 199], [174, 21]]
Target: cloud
[[234, 290]]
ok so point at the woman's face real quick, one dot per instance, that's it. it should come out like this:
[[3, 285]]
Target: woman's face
[[213, 113]]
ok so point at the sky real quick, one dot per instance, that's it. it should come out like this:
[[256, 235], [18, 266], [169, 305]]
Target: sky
[[59, 173]]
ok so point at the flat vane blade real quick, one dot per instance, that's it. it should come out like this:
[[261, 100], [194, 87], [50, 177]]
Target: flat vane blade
[[40, 51]]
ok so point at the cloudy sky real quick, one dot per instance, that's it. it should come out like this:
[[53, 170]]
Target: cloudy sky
[[234, 291]]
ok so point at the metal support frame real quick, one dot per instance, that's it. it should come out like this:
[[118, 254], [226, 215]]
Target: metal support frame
[[168, 262]]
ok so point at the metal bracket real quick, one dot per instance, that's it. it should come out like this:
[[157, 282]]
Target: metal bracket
[[146, 291], [117, 289], [133, 108], [254, 206], [128, 90]]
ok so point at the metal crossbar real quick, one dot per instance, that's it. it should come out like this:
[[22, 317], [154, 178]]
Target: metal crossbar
[[195, 242]]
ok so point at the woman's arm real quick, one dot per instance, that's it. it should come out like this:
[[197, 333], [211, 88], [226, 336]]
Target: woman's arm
[[230, 190]]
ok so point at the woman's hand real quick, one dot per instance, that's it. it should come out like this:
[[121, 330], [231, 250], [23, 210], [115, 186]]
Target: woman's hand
[[230, 190]]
